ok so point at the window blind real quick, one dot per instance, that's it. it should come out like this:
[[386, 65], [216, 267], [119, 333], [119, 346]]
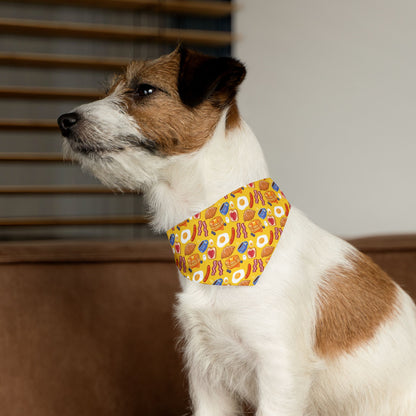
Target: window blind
[[55, 55]]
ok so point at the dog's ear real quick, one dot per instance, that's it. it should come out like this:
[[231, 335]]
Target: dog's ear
[[202, 77]]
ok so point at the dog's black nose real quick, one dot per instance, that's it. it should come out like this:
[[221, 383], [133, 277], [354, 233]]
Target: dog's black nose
[[66, 122]]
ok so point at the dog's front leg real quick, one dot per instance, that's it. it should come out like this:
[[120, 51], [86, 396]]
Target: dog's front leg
[[209, 399], [283, 382]]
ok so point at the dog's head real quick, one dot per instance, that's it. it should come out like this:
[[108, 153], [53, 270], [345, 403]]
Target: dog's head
[[154, 110]]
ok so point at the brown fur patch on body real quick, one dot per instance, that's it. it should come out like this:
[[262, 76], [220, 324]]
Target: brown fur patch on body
[[162, 118], [353, 301]]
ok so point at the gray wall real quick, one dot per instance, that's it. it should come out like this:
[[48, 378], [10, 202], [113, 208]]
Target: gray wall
[[331, 95]]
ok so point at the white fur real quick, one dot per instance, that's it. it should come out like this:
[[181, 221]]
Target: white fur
[[256, 344]]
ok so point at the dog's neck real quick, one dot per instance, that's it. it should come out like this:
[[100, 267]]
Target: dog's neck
[[190, 183]]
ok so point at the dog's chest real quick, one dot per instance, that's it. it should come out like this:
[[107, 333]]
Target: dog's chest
[[215, 339]]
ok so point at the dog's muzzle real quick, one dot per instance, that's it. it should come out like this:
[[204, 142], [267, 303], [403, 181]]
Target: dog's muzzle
[[66, 123]]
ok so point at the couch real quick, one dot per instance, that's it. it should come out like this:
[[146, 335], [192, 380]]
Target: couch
[[86, 328]]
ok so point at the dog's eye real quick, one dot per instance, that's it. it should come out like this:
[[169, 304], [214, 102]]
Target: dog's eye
[[144, 90]]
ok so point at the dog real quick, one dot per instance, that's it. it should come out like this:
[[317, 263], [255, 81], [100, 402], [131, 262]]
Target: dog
[[325, 331]]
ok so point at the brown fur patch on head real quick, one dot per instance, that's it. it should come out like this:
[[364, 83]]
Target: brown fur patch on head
[[233, 116], [165, 121], [354, 301]]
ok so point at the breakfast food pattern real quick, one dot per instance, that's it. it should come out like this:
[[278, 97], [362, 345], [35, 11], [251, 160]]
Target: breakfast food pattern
[[231, 242]]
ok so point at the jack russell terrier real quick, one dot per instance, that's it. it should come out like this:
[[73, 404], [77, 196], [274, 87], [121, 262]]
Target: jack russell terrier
[[275, 312]]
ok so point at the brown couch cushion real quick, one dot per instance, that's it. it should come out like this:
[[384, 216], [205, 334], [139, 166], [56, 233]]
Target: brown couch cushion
[[85, 333]]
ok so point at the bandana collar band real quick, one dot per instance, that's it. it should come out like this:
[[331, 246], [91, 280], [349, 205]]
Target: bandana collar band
[[231, 242]]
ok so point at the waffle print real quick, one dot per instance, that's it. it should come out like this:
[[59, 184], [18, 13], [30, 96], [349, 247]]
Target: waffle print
[[231, 242]]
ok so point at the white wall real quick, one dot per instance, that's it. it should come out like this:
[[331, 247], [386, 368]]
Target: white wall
[[331, 95]]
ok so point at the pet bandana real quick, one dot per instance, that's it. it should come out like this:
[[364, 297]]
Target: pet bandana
[[231, 242]]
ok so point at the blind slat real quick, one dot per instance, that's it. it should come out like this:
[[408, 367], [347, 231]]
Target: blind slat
[[49, 93], [65, 221], [28, 125], [60, 190], [32, 157], [61, 61], [95, 31], [193, 7]]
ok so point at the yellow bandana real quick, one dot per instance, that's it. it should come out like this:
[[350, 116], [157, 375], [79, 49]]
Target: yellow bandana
[[231, 242]]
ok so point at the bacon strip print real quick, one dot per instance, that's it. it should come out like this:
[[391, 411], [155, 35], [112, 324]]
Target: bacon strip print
[[277, 232], [182, 264], [220, 269], [238, 230], [244, 230], [261, 198]]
